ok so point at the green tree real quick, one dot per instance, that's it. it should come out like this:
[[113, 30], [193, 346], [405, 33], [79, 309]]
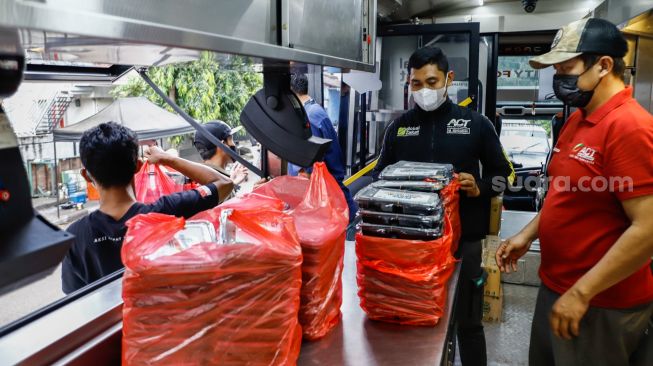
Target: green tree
[[202, 88]]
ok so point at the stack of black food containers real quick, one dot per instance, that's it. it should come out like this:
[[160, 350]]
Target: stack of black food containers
[[405, 203]]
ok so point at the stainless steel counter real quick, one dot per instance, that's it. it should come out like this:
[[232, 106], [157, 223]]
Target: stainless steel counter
[[360, 341], [88, 331]]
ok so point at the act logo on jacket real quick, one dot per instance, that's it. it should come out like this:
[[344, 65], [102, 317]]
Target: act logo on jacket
[[458, 127]]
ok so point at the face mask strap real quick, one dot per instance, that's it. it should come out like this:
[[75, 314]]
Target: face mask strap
[[588, 69], [446, 90]]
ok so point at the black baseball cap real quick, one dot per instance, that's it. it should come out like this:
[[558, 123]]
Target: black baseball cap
[[219, 129], [590, 35]]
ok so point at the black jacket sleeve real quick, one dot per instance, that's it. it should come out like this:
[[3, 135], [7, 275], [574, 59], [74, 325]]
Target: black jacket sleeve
[[387, 156], [188, 203], [496, 167]]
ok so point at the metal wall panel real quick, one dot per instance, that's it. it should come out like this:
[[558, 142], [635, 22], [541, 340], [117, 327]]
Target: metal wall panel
[[334, 27], [253, 20], [644, 73], [243, 27]]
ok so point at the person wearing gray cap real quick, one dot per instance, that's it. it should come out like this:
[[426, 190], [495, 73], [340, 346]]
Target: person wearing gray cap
[[595, 305], [218, 159]]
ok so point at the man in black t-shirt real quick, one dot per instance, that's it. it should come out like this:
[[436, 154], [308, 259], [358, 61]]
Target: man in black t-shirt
[[109, 154]]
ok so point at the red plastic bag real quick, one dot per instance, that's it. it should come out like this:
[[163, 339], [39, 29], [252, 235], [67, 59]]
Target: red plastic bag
[[152, 183], [233, 303], [404, 281], [321, 217], [450, 196], [246, 202]]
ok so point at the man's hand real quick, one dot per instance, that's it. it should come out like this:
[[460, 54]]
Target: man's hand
[[155, 154], [510, 251], [567, 313], [468, 185], [238, 173]]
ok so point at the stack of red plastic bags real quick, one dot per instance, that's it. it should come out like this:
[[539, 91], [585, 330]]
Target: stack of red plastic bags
[[151, 183], [229, 300], [404, 280], [234, 299], [321, 217]]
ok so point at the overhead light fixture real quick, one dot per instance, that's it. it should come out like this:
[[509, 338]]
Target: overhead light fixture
[[480, 2]]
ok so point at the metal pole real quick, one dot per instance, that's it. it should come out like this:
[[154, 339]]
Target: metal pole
[[264, 161], [355, 165], [56, 175], [362, 127]]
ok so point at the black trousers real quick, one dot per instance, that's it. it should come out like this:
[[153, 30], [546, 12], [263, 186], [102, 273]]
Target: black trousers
[[469, 306], [618, 337]]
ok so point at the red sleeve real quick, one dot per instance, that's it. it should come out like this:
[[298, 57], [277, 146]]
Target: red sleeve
[[629, 159]]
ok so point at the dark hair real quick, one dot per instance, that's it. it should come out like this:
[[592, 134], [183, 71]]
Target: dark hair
[[109, 153], [618, 69], [428, 56], [207, 154], [299, 83]]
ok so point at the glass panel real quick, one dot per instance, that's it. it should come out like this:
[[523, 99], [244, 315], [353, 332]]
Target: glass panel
[[519, 82], [484, 60], [35, 103], [331, 82], [394, 66], [526, 141]]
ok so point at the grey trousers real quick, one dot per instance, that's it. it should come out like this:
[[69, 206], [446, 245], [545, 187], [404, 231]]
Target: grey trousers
[[618, 337]]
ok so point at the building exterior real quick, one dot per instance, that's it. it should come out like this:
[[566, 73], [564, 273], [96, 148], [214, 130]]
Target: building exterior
[[39, 107]]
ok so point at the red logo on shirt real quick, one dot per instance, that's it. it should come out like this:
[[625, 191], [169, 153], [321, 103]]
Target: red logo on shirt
[[584, 153]]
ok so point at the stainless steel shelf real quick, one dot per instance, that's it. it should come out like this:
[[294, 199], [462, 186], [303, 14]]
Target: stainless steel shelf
[[243, 28]]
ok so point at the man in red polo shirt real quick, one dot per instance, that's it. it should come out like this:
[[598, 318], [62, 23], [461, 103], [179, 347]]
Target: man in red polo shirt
[[596, 227]]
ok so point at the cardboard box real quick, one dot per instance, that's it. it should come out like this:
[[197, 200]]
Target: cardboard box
[[492, 243], [493, 308], [496, 207], [493, 285]]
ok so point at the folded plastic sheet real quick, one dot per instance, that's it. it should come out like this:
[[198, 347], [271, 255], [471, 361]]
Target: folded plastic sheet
[[404, 281], [151, 183], [418, 171], [230, 302], [321, 217], [396, 201]]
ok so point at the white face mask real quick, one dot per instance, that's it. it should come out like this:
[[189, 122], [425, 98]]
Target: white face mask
[[430, 99]]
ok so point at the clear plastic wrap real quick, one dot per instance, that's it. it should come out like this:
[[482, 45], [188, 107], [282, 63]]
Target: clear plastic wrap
[[408, 185], [321, 217], [418, 171], [404, 281], [400, 232], [396, 201], [233, 301], [411, 221], [151, 183]]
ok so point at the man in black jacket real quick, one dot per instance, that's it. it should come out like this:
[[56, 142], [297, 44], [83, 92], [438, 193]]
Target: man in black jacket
[[437, 130]]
